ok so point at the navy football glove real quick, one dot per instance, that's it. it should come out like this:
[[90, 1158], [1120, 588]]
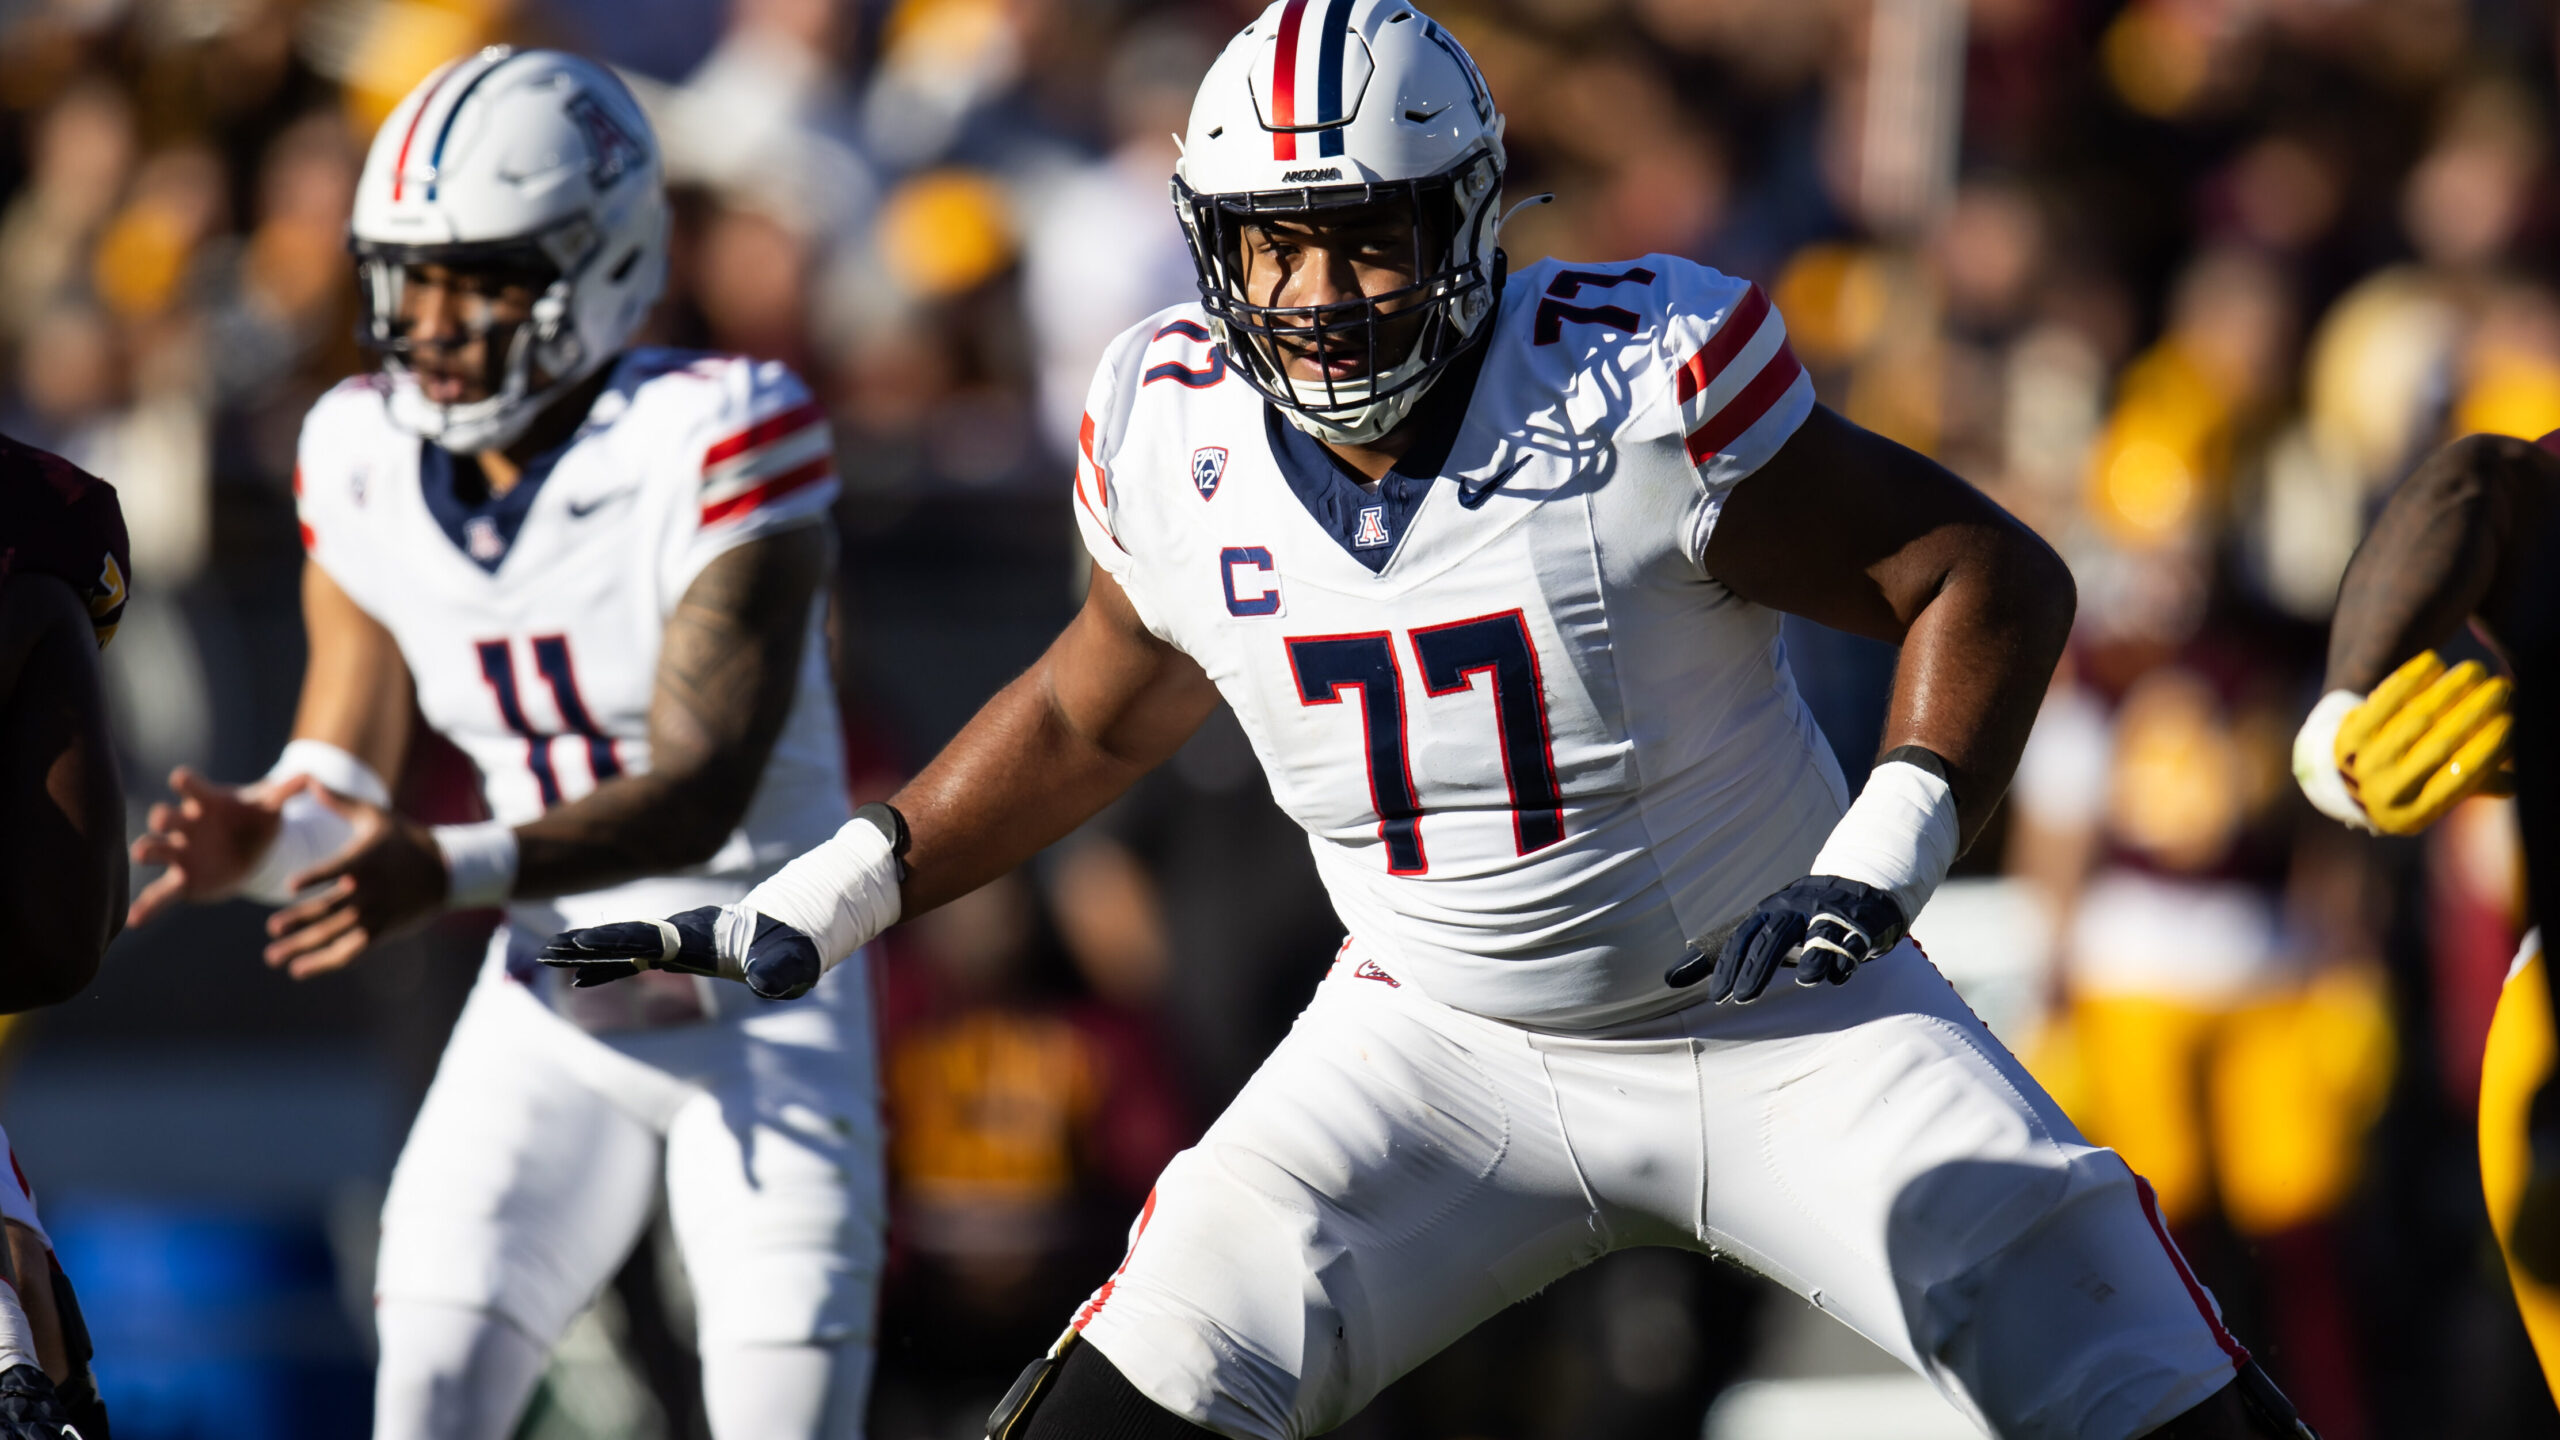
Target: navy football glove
[[1822, 925], [29, 1409], [725, 942]]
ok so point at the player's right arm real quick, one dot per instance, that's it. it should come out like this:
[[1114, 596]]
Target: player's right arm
[[2397, 739], [350, 731], [1108, 702], [2444, 550]]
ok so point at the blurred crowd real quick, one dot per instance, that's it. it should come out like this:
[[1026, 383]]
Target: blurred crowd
[[2188, 284]]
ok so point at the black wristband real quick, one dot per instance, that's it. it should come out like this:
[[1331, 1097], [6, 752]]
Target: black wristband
[[884, 817], [1923, 757]]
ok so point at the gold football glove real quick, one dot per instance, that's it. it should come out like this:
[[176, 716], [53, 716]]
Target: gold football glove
[[2424, 740]]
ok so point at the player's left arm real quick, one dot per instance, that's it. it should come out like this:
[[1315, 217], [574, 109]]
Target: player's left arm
[[728, 670], [1847, 528], [63, 874]]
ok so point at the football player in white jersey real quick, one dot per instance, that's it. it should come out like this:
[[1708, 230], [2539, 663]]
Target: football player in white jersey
[[1490, 570], [599, 571]]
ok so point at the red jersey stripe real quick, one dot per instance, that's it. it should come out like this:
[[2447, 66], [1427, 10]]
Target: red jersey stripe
[[1745, 409], [1101, 477], [1094, 1306], [1284, 83], [2238, 1352], [764, 432], [773, 489], [1721, 347]]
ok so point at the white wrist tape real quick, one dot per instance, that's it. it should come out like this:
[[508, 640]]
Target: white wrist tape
[[1899, 836], [311, 832], [479, 863], [338, 769], [840, 894], [2315, 761], [17, 1335]]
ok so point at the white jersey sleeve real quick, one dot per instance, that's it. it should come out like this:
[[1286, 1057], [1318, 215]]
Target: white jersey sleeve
[[1099, 442], [1739, 389], [331, 481], [765, 460]]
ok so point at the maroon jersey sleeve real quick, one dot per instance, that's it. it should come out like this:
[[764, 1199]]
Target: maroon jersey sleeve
[[57, 519]]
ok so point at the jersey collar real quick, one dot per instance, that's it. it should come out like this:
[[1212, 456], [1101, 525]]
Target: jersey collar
[[483, 530], [1370, 525]]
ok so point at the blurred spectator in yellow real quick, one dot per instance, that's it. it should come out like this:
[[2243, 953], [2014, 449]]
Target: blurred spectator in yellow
[[1027, 1121]]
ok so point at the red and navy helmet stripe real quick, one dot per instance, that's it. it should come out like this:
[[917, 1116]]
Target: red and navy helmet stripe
[[1333, 38], [400, 165], [435, 157]]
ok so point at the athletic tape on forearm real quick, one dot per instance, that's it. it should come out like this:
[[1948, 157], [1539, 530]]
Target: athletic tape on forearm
[[2315, 761], [840, 894], [338, 769], [311, 832], [479, 863], [1899, 835], [17, 1334]]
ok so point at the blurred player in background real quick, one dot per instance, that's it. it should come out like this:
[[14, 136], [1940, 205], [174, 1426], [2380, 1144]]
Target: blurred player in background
[[2400, 738], [1490, 571], [65, 573], [599, 572]]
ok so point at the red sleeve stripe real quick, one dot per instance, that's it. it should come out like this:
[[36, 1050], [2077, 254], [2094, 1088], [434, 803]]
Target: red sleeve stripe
[[1101, 477], [822, 468], [740, 472], [1742, 323], [1745, 409], [764, 432], [2195, 1291]]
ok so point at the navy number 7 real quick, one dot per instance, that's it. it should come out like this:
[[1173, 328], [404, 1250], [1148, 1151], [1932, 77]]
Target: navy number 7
[[1452, 656]]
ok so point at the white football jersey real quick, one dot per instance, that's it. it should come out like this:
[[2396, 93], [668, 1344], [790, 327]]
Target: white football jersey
[[531, 623], [1535, 745]]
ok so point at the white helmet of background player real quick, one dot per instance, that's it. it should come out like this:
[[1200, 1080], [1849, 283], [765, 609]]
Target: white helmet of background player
[[1325, 105], [533, 163]]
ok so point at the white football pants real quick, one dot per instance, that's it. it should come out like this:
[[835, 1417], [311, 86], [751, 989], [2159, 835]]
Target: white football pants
[[534, 1167], [1398, 1171]]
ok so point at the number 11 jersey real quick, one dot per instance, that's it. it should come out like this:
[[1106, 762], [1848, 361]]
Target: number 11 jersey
[[531, 622], [1535, 746]]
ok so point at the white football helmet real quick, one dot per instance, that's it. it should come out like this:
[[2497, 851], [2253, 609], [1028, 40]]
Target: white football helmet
[[529, 162], [1324, 105]]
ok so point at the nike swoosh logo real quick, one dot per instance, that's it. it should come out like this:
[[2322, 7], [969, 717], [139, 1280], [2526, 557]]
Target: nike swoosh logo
[[580, 510], [1473, 496], [1424, 117]]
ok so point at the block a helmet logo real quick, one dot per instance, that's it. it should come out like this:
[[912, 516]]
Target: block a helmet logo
[[611, 150], [1208, 467]]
